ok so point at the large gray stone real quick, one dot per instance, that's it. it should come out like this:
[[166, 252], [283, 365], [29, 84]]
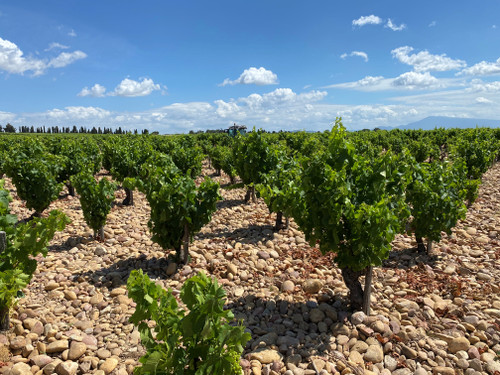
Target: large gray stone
[[374, 354], [67, 368], [20, 368]]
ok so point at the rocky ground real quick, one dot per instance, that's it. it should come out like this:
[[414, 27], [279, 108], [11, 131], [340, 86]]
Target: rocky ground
[[435, 314]]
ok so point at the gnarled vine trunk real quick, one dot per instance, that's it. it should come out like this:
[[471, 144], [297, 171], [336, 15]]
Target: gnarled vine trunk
[[367, 292], [279, 221], [4, 318], [184, 256], [71, 189], [359, 299], [351, 279], [129, 200], [99, 234], [420, 243], [429, 247], [3, 241], [250, 194]]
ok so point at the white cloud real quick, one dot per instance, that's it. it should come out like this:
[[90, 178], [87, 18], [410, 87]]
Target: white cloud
[[370, 80], [394, 27], [226, 109], [55, 45], [78, 113], [127, 88], [66, 58], [72, 33], [285, 109], [424, 61], [406, 81], [130, 88], [12, 60], [253, 76], [416, 80], [483, 100], [432, 24], [478, 85], [6, 117], [483, 68], [367, 20], [361, 54], [281, 97], [368, 83], [96, 91], [375, 20], [462, 102]]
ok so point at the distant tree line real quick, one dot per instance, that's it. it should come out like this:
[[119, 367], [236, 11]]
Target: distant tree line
[[61, 130]]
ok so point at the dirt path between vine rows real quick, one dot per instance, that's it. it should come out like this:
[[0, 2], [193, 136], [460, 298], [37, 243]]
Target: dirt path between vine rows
[[435, 314]]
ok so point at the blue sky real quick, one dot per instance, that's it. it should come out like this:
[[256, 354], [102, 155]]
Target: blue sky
[[176, 66]]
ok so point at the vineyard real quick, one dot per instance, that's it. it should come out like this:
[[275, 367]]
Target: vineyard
[[372, 252]]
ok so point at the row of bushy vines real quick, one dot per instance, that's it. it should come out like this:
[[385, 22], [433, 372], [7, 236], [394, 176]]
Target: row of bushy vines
[[349, 192]]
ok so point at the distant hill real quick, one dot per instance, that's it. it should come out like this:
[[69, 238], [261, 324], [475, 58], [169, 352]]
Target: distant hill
[[432, 122]]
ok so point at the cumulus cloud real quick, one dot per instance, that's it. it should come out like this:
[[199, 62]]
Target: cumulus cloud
[[253, 76], [96, 91], [78, 113], [416, 80], [130, 88], [370, 80], [226, 109], [361, 54], [367, 20], [281, 97], [127, 88], [483, 68], [12, 60], [425, 61], [284, 109], [394, 27]]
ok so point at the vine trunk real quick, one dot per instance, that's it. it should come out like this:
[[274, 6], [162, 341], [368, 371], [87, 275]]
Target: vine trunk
[[129, 199], [4, 318]]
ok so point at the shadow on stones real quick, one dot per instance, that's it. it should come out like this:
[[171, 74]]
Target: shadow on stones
[[230, 203], [117, 274], [67, 245], [408, 258], [249, 235], [292, 327]]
